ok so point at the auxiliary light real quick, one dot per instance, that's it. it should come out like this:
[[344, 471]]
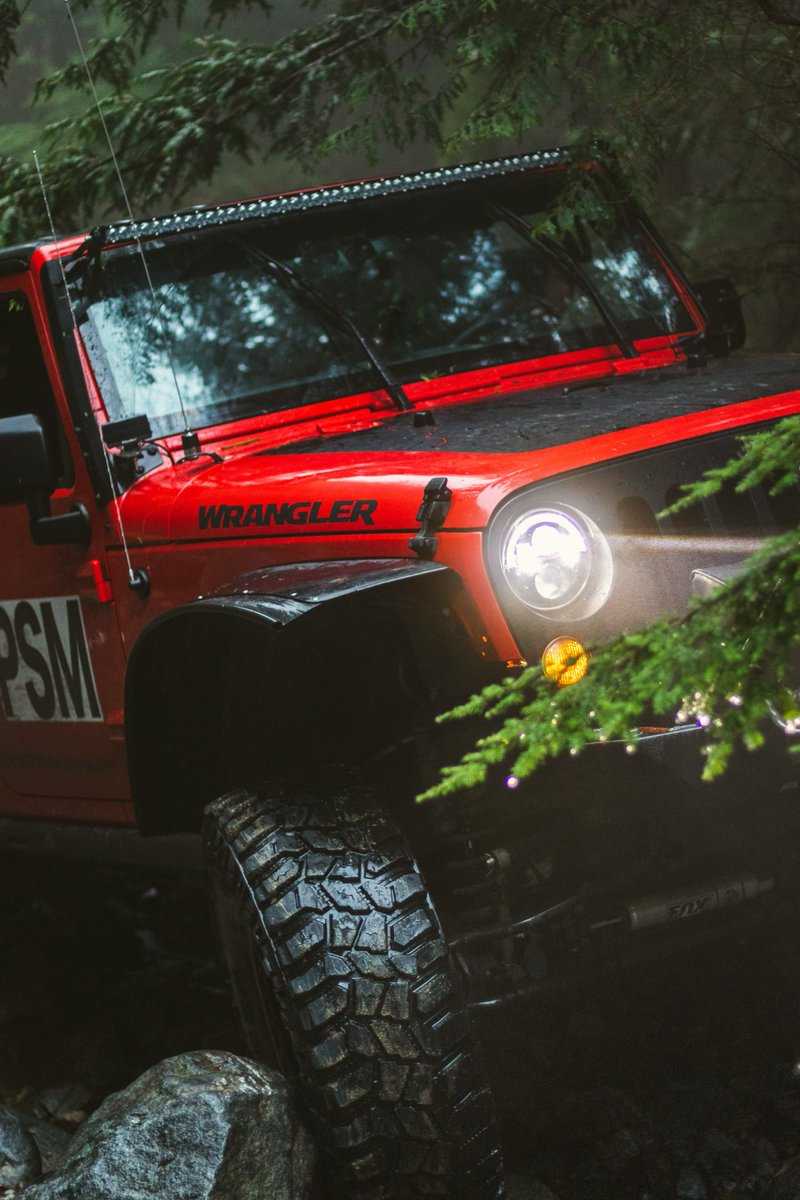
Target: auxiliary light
[[565, 661]]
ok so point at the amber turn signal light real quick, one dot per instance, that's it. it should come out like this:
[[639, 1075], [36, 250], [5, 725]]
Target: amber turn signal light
[[565, 661]]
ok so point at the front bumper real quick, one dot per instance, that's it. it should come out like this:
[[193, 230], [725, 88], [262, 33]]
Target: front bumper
[[611, 857]]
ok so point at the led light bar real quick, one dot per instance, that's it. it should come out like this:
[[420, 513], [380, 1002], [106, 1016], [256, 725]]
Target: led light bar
[[326, 197]]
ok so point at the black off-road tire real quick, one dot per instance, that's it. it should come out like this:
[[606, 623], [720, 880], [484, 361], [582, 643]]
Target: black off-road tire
[[343, 978]]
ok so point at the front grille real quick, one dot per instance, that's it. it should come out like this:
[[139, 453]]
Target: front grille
[[754, 512], [654, 555], [642, 486]]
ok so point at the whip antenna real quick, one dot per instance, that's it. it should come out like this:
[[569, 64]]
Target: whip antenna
[[189, 439], [134, 575]]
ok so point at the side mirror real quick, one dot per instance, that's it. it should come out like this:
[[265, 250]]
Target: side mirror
[[25, 464], [725, 330], [27, 472]]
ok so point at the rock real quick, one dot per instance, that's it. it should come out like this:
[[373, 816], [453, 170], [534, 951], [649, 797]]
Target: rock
[[786, 1186], [67, 1103], [202, 1126], [678, 1138], [621, 1149], [20, 1161], [690, 1185], [592, 1114], [523, 1187], [719, 1151], [766, 1158], [51, 1140]]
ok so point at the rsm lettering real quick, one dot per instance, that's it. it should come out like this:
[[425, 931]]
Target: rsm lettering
[[45, 670], [301, 512]]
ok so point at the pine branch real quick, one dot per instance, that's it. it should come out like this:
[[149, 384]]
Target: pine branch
[[9, 24], [772, 455], [698, 670], [778, 15]]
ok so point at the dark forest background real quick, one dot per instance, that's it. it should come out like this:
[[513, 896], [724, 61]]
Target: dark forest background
[[698, 101]]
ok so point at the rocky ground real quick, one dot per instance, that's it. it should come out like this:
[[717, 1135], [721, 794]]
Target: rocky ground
[[670, 1083]]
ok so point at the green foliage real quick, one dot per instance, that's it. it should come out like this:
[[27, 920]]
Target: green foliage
[[722, 666], [9, 24], [771, 455], [710, 83], [111, 60]]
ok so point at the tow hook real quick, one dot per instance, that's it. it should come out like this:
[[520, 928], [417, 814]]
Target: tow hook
[[666, 908]]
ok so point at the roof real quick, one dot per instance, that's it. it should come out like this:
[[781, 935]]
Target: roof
[[16, 258]]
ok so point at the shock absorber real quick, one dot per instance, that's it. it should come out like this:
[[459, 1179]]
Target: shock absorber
[[486, 865], [460, 859], [469, 877], [668, 908]]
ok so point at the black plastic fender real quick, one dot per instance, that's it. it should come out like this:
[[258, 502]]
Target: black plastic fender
[[180, 746]]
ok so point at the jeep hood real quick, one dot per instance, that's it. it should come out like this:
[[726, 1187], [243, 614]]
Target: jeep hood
[[371, 481]]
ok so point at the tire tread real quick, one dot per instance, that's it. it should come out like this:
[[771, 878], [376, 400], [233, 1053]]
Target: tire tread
[[368, 994]]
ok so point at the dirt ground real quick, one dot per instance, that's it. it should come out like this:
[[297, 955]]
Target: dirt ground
[[670, 1082]]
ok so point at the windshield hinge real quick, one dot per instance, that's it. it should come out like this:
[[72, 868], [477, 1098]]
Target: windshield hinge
[[432, 515], [132, 437]]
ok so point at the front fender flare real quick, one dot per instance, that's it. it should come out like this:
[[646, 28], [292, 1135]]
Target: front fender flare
[[166, 687]]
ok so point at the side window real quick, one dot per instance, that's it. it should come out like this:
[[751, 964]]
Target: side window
[[24, 382]]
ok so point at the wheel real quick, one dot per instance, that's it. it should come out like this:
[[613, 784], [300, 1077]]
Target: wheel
[[343, 979]]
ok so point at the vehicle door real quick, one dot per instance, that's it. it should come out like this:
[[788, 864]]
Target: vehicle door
[[61, 659]]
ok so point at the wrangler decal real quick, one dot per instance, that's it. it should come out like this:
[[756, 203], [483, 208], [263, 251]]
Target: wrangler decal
[[300, 512], [45, 669]]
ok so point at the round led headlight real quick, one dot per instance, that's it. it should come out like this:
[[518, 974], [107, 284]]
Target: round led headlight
[[557, 562]]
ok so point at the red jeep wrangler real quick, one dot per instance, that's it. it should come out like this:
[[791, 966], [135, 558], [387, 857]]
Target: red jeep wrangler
[[282, 480]]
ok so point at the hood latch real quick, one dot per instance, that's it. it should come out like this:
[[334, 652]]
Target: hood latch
[[432, 516]]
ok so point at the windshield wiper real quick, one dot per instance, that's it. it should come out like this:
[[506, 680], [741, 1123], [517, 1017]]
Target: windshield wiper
[[551, 249], [289, 275]]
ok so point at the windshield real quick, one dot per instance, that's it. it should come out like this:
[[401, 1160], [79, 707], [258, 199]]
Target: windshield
[[435, 284]]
